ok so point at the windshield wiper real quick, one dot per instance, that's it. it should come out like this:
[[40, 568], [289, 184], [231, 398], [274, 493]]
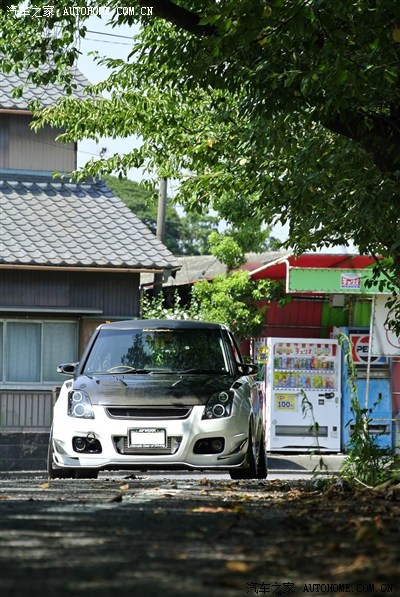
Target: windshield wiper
[[124, 369], [194, 370]]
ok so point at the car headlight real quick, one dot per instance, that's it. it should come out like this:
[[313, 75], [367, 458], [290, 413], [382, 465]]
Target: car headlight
[[219, 405], [79, 405]]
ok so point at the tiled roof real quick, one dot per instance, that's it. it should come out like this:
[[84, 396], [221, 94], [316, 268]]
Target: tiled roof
[[46, 94], [48, 222], [195, 268]]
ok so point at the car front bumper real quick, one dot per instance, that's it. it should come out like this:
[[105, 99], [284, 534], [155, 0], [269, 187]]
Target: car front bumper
[[182, 436]]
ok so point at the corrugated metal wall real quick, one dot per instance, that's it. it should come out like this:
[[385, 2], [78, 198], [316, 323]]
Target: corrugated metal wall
[[299, 319], [361, 313], [333, 317], [313, 317]]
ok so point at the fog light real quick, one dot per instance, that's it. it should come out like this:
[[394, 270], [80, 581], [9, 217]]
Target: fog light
[[79, 444], [88, 444], [217, 445], [213, 445]]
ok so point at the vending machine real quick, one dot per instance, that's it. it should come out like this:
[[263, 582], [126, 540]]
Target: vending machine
[[379, 398], [302, 388]]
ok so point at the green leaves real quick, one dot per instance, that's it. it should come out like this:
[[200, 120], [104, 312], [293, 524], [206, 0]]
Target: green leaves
[[234, 299], [185, 234], [277, 111], [230, 299]]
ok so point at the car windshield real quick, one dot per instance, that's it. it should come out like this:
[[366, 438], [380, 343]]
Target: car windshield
[[185, 350]]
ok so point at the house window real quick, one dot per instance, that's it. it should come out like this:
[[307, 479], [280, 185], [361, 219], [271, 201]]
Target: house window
[[31, 350]]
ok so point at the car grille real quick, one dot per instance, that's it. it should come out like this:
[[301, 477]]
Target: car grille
[[145, 412], [121, 446]]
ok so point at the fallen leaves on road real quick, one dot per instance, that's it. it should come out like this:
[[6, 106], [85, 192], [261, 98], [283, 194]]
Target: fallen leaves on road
[[217, 509]]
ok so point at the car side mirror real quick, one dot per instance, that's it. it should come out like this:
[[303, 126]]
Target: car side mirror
[[247, 368], [67, 368]]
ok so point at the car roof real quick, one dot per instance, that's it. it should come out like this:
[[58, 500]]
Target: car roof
[[171, 324]]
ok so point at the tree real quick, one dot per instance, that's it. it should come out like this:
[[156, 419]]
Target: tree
[[184, 235], [233, 299], [286, 110], [238, 301], [190, 233]]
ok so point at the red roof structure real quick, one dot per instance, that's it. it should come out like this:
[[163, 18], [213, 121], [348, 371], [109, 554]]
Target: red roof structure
[[277, 270]]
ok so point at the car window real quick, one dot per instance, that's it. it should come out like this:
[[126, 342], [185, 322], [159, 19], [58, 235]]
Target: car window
[[157, 349], [235, 349]]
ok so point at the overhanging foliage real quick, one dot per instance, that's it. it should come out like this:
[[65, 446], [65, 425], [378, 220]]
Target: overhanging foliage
[[286, 110]]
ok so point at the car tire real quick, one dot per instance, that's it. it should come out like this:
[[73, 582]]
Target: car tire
[[262, 468], [249, 469]]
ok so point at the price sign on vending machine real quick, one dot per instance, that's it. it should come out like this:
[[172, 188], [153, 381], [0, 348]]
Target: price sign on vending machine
[[285, 402]]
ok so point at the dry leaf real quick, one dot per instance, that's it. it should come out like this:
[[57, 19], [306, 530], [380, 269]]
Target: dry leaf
[[239, 566], [216, 509]]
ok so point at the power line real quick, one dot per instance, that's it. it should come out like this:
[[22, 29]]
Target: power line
[[103, 41], [109, 34]]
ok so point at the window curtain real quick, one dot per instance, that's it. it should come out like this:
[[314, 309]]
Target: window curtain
[[23, 351], [59, 346]]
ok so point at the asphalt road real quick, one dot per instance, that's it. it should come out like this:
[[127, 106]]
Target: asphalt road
[[148, 534], [125, 535]]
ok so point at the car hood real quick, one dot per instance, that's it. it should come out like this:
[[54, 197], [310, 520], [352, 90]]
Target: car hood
[[154, 389]]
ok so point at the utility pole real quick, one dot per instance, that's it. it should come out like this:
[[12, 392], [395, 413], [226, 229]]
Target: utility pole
[[160, 234]]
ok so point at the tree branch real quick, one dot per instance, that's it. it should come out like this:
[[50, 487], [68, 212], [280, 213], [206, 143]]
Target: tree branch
[[372, 132], [180, 17]]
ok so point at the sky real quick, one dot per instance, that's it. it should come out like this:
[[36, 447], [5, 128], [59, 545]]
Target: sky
[[113, 43]]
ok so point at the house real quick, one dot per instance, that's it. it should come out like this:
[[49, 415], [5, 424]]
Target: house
[[198, 268], [71, 257]]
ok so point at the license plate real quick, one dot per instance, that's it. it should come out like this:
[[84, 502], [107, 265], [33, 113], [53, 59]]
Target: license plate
[[147, 438]]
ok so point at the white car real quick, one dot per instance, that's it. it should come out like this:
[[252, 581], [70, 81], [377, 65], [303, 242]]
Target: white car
[[158, 395]]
